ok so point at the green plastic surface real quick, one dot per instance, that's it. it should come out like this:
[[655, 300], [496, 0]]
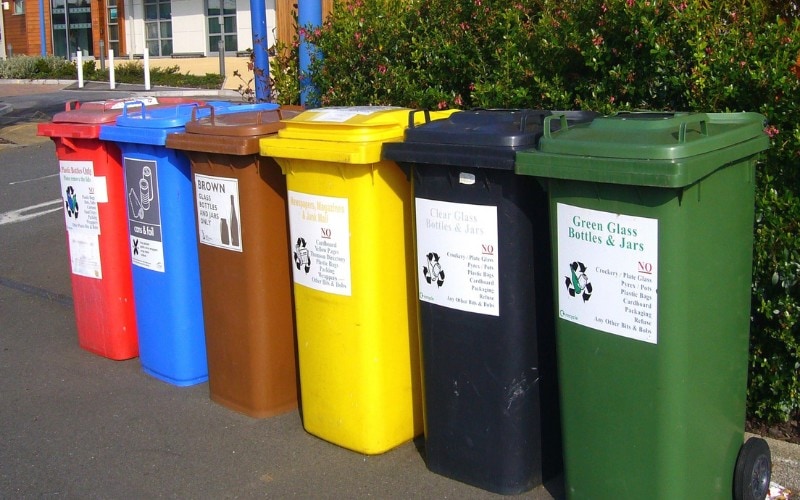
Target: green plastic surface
[[645, 149], [663, 419]]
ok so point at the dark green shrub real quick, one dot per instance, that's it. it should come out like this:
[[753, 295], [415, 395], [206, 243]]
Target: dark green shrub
[[605, 55], [89, 70]]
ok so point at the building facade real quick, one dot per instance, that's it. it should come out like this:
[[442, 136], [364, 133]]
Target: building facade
[[163, 28]]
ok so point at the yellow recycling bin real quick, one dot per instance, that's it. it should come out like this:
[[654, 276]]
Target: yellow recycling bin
[[354, 284]]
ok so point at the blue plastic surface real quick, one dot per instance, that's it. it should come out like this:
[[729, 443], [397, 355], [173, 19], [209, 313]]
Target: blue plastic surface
[[244, 108], [169, 309], [166, 273]]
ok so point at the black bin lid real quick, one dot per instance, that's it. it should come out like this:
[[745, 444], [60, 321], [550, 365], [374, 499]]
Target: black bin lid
[[483, 138]]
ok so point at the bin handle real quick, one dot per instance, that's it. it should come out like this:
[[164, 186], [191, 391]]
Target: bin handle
[[412, 123], [194, 112], [548, 132], [699, 118], [193, 105], [523, 121], [126, 105], [70, 103]]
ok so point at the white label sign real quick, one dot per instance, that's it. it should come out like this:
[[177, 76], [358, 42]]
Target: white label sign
[[340, 115], [144, 213], [608, 272], [84, 254], [218, 215], [457, 256], [79, 189], [319, 228]]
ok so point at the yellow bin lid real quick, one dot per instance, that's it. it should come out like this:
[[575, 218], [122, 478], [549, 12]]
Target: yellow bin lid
[[353, 134]]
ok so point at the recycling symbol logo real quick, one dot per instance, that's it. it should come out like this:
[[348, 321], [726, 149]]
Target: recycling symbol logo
[[433, 271], [577, 282], [301, 257], [71, 203]]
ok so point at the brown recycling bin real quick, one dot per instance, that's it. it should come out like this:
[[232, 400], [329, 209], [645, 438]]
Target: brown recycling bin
[[245, 275]]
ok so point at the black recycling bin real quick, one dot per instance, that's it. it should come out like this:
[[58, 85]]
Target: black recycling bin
[[482, 246]]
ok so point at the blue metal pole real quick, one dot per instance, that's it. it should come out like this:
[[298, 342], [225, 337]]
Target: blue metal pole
[[258, 22], [42, 35], [309, 12]]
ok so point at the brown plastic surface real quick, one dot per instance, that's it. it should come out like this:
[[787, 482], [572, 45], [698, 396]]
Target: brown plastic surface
[[231, 133], [247, 296]]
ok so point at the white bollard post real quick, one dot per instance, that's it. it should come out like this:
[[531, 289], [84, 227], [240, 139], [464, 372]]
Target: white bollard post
[[80, 68], [111, 83], [146, 69]]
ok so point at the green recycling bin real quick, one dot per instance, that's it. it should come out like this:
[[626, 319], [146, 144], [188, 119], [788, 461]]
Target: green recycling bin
[[652, 233]]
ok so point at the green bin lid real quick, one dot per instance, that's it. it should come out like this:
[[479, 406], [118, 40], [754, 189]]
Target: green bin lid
[[646, 149]]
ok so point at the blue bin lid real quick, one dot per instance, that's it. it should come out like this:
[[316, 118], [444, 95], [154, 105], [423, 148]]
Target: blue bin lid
[[136, 116], [243, 108], [139, 124]]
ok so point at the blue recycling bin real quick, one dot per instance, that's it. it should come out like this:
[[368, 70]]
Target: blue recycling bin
[[163, 241]]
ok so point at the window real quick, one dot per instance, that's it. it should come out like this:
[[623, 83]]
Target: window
[[158, 26], [72, 28], [221, 16], [19, 7], [113, 26]]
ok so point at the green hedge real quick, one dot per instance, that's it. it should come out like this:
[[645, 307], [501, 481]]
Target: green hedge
[[610, 55]]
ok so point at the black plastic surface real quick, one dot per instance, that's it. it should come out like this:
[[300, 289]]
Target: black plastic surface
[[490, 382]]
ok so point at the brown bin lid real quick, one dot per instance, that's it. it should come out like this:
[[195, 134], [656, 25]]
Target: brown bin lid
[[234, 133]]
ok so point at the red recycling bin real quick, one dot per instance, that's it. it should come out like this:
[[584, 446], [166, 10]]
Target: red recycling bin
[[96, 219]]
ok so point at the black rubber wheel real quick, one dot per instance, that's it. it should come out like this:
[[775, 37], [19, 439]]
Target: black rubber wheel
[[753, 471]]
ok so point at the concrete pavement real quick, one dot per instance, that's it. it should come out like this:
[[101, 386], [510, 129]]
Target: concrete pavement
[[77, 425]]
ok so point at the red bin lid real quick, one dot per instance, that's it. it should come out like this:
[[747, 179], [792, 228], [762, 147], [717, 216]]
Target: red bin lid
[[101, 112]]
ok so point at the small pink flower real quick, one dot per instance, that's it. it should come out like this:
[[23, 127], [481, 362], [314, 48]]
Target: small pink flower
[[597, 41], [612, 99], [458, 100], [629, 3], [442, 104], [381, 69], [771, 131]]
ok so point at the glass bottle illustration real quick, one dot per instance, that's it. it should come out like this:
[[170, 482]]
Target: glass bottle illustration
[[234, 225]]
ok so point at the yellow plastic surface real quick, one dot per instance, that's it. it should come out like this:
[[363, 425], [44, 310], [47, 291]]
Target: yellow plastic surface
[[359, 354], [351, 135]]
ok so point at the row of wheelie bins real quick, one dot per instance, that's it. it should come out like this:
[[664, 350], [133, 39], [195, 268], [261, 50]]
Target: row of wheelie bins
[[533, 291]]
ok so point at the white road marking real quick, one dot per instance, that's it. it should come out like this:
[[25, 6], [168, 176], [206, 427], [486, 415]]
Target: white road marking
[[32, 180], [31, 212]]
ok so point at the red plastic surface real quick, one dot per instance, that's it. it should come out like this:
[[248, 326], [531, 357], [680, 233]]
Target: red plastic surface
[[104, 308]]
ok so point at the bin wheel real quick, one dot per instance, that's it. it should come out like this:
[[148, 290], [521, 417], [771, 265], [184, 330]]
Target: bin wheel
[[753, 471]]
